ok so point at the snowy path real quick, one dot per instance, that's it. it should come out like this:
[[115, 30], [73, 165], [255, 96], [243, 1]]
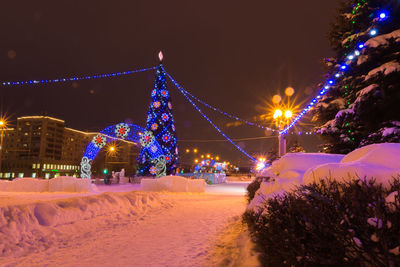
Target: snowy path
[[172, 230]]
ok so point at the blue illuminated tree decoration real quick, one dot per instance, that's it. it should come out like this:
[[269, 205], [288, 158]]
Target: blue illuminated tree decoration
[[160, 122]]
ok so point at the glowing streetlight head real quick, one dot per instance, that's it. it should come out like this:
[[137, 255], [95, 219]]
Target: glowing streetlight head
[[195, 150], [202, 156], [216, 158], [373, 32], [382, 15], [208, 156], [187, 150], [2, 123], [112, 148], [289, 91], [196, 161], [288, 114], [278, 113]]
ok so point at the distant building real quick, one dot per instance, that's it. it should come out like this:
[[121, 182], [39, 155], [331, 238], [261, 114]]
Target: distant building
[[41, 146]]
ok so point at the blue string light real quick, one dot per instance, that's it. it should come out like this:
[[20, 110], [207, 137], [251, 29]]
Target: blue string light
[[205, 117], [71, 79], [342, 67], [227, 114]]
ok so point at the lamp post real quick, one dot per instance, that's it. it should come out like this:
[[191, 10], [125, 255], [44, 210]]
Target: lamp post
[[2, 126], [281, 120]]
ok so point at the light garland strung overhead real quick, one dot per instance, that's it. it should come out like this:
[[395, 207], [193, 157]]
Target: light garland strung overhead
[[227, 114], [205, 117], [72, 79]]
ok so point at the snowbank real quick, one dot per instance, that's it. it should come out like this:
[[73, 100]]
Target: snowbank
[[58, 184], [294, 165], [287, 173], [376, 161], [30, 227], [173, 184]]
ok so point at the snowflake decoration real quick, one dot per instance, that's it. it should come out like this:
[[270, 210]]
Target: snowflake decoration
[[154, 126], [156, 104], [176, 150], [164, 93], [153, 170], [99, 140], [173, 127], [122, 130], [154, 92], [164, 117], [166, 138], [154, 149], [169, 105], [147, 138], [143, 159], [149, 117]]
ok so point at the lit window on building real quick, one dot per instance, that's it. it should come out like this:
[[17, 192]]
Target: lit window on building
[[34, 166], [34, 175], [47, 175], [20, 175]]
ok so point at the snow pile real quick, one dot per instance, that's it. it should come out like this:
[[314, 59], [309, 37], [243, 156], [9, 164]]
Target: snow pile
[[24, 185], [173, 184], [32, 227], [376, 161], [294, 165], [58, 184], [287, 173]]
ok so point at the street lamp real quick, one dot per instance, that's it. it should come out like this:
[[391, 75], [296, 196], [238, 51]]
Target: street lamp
[[3, 125], [277, 114], [281, 120], [288, 114]]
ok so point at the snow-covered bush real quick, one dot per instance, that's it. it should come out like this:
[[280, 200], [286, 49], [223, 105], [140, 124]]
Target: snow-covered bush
[[355, 223], [254, 186]]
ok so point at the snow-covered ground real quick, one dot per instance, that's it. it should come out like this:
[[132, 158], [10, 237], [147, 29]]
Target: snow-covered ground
[[124, 227]]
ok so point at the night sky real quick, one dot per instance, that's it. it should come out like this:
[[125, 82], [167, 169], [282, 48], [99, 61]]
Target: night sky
[[233, 54]]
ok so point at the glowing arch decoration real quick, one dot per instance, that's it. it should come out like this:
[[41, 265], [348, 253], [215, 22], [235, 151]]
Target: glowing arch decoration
[[128, 132], [122, 130]]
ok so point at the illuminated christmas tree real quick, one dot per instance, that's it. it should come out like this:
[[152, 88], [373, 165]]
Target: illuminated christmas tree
[[160, 126]]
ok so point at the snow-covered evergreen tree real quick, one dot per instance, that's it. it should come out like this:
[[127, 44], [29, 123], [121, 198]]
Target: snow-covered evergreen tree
[[363, 106]]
